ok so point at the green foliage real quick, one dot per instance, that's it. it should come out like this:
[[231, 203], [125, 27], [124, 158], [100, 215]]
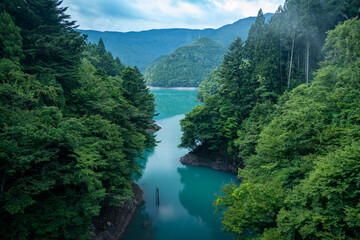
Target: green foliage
[[298, 141], [145, 48], [250, 129], [50, 43], [239, 77], [187, 66], [252, 205], [209, 123], [200, 125], [139, 96], [70, 133], [102, 59], [209, 86], [10, 38], [325, 205], [301, 182], [289, 137]]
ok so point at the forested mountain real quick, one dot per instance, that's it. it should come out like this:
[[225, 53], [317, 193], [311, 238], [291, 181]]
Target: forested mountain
[[187, 66], [289, 112], [142, 48], [228, 33], [73, 122]]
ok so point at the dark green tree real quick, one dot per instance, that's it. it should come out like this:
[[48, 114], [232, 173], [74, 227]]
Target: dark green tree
[[100, 58], [209, 86], [50, 43], [69, 139], [10, 38], [308, 153], [101, 47]]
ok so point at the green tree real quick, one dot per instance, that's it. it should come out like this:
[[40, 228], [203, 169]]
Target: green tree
[[100, 58], [139, 96], [50, 43], [101, 47], [187, 66], [326, 204], [308, 152], [209, 86], [224, 109], [10, 38], [69, 138]]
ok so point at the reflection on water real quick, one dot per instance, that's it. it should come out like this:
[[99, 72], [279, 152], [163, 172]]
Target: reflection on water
[[186, 193], [198, 191]]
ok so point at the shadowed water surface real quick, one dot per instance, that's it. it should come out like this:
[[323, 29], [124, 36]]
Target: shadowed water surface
[[186, 193]]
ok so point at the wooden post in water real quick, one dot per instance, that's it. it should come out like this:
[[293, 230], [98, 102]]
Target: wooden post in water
[[157, 196]]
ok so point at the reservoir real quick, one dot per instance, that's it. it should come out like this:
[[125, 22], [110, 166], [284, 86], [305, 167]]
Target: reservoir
[[186, 193]]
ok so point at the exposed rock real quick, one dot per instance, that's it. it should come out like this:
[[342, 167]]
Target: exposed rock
[[154, 128], [113, 221], [204, 157]]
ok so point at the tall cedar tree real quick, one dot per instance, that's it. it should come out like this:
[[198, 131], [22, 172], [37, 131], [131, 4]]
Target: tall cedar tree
[[50, 43]]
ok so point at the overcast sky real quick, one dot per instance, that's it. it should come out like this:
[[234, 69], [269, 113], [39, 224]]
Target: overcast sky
[[137, 15]]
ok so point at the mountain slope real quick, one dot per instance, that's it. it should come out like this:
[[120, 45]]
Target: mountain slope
[[188, 65], [228, 33], [142, 48]]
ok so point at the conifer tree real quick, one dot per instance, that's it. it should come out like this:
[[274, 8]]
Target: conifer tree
[[10, 38], [50, 43], [69, 140]]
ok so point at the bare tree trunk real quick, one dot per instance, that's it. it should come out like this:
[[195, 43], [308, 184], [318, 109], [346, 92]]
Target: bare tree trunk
[[291, 58], [298, 60], [307, 60]]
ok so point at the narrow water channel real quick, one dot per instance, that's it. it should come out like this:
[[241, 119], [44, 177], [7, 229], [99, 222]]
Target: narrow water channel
[[186, 193]]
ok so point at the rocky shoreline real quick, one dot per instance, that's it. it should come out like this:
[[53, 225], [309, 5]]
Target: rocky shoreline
[[154, 127], [113, 221], [203, 157]]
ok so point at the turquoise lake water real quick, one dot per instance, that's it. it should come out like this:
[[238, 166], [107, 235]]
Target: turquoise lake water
[[186, 192]]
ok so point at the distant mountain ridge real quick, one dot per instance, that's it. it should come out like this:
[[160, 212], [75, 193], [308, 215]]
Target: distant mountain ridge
[[142, 48], [187, 66]]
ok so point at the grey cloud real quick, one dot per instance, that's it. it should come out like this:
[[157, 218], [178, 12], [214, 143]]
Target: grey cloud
[[104, 9], [130, 15]]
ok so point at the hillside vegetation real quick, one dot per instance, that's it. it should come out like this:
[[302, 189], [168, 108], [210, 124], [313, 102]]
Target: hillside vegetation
[[142, 48], [187, 66], [286, 106], [73, 122]]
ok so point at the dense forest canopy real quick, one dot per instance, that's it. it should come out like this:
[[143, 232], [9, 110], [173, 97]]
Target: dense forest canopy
[[285, 105], [187, 66], [73, 122]]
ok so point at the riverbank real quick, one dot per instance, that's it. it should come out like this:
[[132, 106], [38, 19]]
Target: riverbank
[[201, 156], [154, 127], [113, 221]]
